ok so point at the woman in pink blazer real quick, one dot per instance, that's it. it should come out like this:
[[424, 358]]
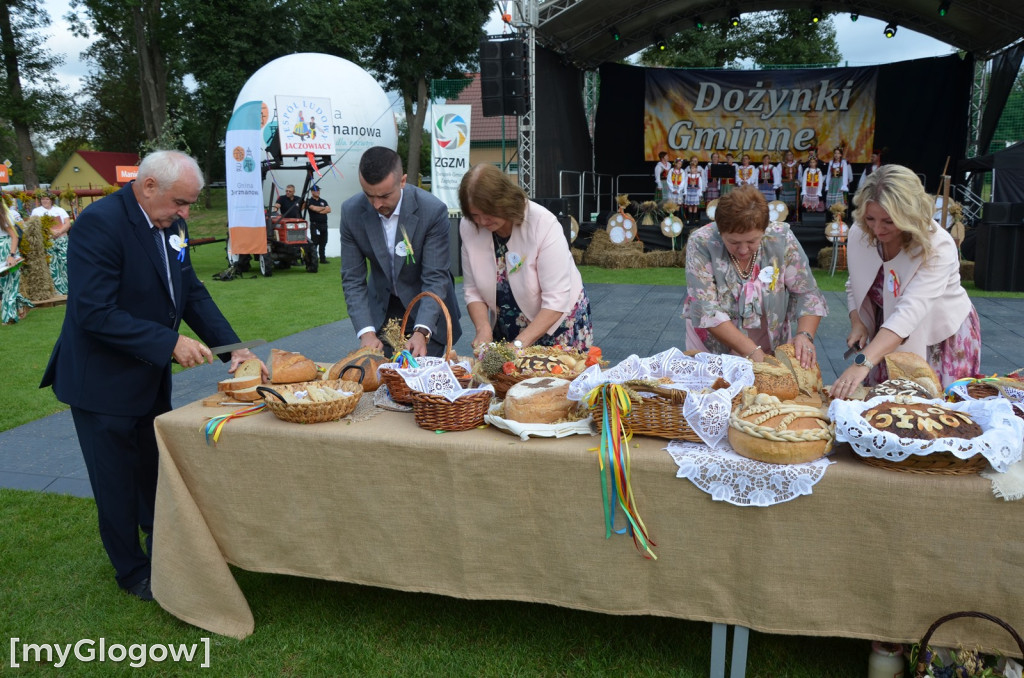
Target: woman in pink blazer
[[519, 278], [904, 291]]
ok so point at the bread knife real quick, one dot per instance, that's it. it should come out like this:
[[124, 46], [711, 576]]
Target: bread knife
[[228, 348], [846, 356]]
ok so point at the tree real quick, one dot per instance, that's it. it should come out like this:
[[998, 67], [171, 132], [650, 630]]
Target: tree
[[763, 38], [28, 90], [409, 44]]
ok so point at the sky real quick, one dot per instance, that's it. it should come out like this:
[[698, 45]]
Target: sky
[[861, 43]]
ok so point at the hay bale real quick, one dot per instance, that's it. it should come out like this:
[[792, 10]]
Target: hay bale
[[36, 281], [825, 258], [577, 255], [600, 244], [966, 270], [666, 259]]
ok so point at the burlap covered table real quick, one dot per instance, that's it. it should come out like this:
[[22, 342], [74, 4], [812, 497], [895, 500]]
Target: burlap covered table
[[871, 554]]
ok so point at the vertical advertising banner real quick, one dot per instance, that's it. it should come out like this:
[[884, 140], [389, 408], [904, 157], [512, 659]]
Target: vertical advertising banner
[[243, 146], [304, 124], [449, 152], [698, 112]]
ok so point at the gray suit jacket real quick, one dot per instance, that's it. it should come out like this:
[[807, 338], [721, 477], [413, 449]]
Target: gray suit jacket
[[425, 219]]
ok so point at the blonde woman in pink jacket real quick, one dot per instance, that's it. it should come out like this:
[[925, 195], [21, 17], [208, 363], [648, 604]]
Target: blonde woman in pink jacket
[[904, 291], [519, 278]]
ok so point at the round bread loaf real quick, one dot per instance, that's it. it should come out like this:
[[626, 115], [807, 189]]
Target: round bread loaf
[[898, 387], [921, 421], [774, 378], [765, 429], [367, 358], [540, 400]]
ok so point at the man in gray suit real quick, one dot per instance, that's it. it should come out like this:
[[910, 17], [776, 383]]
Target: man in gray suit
[[402, 231]]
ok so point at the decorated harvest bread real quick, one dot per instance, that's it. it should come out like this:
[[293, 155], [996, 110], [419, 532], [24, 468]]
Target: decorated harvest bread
[[236, 383], [540, 400], [766, 429], [898, 387], [367, 358], [905, 365], [807, 381], [288, 368], [774, 378], [922, 421]]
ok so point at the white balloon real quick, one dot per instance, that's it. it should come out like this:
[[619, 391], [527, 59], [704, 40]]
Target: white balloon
[[362, 117]]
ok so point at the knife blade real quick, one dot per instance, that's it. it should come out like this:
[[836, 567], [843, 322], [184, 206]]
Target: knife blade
[[850, 351], [228, 348]]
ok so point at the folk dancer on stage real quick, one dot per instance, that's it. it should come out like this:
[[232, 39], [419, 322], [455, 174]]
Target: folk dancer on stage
[[729, 183], [811, 187], [694, 191], [677, 182], [746, 174], [712, 185], [766, 178], [661, 170], [876, 162], [787, 180], [839, 177]]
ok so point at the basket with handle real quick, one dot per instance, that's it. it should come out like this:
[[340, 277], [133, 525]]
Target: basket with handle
[[399, 390], [924, 657], [660, 415], [309, 411]]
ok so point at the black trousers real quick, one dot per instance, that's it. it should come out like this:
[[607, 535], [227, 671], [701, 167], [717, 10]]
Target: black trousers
[[397, 310], [318, 234], [121, 457]]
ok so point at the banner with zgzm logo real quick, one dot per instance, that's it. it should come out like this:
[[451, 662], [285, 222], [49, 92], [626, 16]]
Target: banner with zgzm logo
[[449, 152]]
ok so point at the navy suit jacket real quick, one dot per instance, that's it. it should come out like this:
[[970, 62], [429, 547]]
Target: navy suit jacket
[[425, 219], [113, 355]]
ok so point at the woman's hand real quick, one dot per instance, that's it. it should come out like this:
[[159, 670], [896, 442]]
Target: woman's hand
[[849, 381], [484, 335], [805, 351], [858, 335]]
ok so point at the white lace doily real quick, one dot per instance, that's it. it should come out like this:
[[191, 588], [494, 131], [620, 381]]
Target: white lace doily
[[1015, 396], [382, 399], [1000, 443], [728, 477], [424, 362], [438, 379], [706, 413]]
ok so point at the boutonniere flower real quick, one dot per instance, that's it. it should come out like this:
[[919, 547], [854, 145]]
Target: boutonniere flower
[[404, 248], [513, 261], [767, 276], [178, 242], [893, 283]]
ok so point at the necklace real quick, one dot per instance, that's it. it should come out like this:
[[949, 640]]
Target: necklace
[[750, 266]]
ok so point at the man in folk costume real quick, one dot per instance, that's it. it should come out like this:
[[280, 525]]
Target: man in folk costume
[[694, 190], [766, 178], [811, 187], [745, 173], [787, 180], [839, 178], [661, 170]]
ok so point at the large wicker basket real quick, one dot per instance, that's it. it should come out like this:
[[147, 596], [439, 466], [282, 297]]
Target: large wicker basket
[[437, 413], [312, 412], [923, 656], [660, 415], [936, 463], [399, 390]]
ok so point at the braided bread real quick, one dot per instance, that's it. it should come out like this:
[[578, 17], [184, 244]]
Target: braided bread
[[766, 429]]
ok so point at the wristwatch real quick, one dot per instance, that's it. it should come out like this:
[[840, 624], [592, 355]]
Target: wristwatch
[[862, 360], [424, 331]]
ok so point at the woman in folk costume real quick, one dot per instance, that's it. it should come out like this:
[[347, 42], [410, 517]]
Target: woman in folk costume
[[811, 187], [787, 180], [694, 190], [839, 177], [729, 183], [766, 178], [746, 174], [712, 185], [677, 182], [13, 305], [661, 170]]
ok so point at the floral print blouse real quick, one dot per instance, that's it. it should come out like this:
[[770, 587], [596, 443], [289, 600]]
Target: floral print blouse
[[781, 288]]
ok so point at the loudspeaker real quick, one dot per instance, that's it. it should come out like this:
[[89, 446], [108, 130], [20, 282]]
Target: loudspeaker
[[491, 77], [503, 77]]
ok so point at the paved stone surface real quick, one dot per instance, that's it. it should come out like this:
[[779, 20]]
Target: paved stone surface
[[643, 319]]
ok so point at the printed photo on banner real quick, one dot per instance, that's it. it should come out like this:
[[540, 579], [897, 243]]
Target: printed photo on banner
[[304, 125], [702, 111]]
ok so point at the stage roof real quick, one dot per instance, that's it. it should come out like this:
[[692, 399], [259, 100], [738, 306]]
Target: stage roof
[[580, 30]]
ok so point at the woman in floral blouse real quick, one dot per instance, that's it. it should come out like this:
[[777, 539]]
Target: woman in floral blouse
[[747, 281]]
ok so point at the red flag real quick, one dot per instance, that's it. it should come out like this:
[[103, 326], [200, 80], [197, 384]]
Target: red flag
[[312, 161]]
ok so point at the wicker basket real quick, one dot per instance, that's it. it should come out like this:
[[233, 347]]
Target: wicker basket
[[399, 390], [921, 670], [437, 413], [312, 412], [936, 463], [660, 416]]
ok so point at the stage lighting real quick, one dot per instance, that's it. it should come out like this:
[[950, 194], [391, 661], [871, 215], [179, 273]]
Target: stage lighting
[[854, 16], [815, 14], [698, 24], [944, 8], [616, 36], [890, 29], [734, 18]]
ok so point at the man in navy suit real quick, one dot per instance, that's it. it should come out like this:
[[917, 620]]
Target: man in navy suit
[[402, 231], [131, 283]]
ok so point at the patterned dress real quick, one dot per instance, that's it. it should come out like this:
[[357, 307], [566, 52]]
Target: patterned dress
[[956, 357], [836, 183], [58, 255], [575, 332], [780, 290], [694, 183], [11, 299], [789, 179], [766, 181], [713, 189]]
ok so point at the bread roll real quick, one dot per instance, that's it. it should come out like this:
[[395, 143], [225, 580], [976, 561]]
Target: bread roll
[[774, 378], [367, 358], [808, 381], [238, 383], [765, 429], [288, 368], [906, 365]]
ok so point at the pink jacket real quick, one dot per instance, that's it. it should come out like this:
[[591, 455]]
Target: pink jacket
[[923, 301], [547, 278]]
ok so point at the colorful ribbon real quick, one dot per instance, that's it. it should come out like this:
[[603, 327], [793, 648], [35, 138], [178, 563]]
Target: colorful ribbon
[[215, 425], [405, 359], [614, 461]]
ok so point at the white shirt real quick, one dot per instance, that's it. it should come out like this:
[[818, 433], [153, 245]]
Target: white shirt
[[390, 226], [54, 211]]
